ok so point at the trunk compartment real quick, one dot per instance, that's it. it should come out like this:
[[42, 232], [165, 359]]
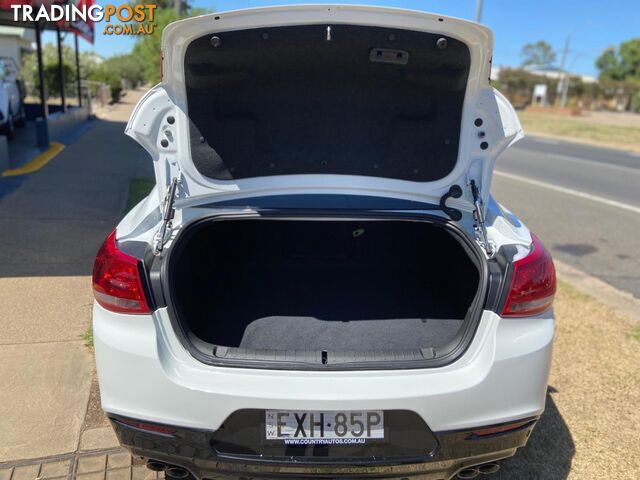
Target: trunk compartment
[[323, 291]]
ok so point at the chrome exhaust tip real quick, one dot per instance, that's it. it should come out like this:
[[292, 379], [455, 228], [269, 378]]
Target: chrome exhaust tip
[[488, 468], [468, 473], [156, 466], [176, 472]]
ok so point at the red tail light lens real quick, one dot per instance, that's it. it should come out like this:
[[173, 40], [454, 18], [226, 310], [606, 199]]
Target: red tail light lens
[[117, 285], [533, 285], [483, 432], [150, 427]]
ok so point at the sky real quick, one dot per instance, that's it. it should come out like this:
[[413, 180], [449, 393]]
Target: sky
[[593, 25]]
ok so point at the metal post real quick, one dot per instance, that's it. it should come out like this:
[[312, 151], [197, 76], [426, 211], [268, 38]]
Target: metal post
[[565, 89], [42, 130], [41, 88], [78, 71], [61, 71], [563, 80], [479, 10]]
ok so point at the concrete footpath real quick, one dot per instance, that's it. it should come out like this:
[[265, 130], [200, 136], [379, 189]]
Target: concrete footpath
[[53, 225]]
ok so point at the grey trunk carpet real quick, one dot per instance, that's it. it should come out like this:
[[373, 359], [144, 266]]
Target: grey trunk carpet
[[308, 333], [349, 286]]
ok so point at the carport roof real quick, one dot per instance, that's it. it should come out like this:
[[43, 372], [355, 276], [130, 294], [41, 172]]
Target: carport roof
[[85, 30]]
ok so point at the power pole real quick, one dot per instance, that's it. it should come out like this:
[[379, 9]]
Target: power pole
[[42, 127], [479, 10], [61, 78], [41, 87], [563, 86], [75, 35], [178, 4]]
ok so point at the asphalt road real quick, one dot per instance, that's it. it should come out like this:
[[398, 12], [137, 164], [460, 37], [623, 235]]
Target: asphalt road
[[582, 201]]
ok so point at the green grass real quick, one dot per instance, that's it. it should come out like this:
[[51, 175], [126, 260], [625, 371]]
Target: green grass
[[88, 338], [572, 128], [138, 189], [635, 333]]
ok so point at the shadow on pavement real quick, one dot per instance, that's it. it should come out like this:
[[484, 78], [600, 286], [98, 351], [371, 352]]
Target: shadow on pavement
[[548, 454], [58, 217]]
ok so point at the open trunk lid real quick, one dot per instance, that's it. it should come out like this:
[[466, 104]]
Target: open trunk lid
[[325, 100]]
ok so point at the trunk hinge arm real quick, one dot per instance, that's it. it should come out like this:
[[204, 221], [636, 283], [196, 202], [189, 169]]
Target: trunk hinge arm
[[168, 211], [480, 226]]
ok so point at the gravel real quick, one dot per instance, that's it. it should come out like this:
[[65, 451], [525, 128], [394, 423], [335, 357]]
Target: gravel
[[591, 426]]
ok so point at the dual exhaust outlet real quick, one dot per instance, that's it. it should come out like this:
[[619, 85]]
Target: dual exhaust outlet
[[484, 469], [170, 471]]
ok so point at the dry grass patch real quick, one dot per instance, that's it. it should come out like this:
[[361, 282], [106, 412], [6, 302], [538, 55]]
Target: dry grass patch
[[581, 129], [591, 426]]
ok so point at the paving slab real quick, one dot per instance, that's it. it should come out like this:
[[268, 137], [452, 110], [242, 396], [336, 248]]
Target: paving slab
[[44, 309], [44, 398], [119, 460], [109, 464], [121, 474], [98, 438], [55, 469], [94, 463], [26, 472]]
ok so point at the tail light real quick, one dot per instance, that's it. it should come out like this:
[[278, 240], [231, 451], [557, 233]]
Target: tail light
[[483, 432], [533, 285], [117, 284], [149, 427]]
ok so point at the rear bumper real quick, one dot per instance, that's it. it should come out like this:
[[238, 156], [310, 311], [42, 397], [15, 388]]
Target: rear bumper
[[146, 374], [192, 449]]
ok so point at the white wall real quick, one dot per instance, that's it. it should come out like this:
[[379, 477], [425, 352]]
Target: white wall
[[10, 47], [15, 40]]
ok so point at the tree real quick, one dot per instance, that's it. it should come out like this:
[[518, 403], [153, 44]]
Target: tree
[[52, 78], [609, 65], [103, 73], [29, 71], [620, 72], [147, 48], [127, 68], [622, 63], [539, 53]]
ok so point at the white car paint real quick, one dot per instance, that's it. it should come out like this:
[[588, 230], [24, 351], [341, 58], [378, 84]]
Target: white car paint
[[146, 373], [10, 91]]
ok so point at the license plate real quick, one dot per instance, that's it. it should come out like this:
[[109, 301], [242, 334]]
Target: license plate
[[329, 427]]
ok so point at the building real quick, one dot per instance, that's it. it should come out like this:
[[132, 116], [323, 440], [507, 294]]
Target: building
[[551, 73], [15, 42]]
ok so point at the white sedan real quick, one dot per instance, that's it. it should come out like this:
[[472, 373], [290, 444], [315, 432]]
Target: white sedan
[[321, 283]]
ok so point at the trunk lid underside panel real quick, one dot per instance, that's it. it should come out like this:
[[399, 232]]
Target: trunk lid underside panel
[[318, 99], [325, 99]]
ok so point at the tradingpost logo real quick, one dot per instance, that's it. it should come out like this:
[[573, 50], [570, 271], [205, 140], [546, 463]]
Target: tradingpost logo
[[120, 19]]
